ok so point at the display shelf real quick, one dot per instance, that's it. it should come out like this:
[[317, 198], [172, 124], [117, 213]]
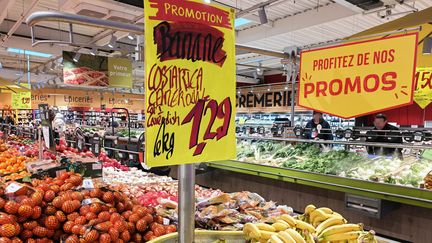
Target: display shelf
[[390, 192]]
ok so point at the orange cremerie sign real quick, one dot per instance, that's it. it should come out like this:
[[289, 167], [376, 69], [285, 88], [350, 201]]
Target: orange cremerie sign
[[359, 78]]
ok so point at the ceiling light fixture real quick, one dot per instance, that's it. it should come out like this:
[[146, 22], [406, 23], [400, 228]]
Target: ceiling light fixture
[[113, 42], [130, 37], [262, 15], [259, 70], [77, 57], [93, 51]]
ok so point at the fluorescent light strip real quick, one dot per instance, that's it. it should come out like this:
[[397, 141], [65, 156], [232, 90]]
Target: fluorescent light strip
[[30, 53], [241, 21]]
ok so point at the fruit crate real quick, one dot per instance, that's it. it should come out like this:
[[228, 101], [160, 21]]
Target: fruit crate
[[205, 236]]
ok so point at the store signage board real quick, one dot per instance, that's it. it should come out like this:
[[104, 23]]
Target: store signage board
[[423, 86], [190, 83], [21, 100], [359, 78], [265, 99], [99, 71]]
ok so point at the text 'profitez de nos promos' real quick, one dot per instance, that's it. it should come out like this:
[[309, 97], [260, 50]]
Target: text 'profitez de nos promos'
[[352, 84]]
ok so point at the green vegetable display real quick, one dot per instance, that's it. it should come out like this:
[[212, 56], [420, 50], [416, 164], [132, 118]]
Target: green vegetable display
[[313, 158]]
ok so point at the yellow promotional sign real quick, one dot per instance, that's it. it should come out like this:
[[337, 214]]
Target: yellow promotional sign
[[21, 100], [190, 82], [359, 78], [423, 87]]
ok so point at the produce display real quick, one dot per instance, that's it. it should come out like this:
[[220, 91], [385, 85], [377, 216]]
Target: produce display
[[84, 76], [113, 176], [229, 211], [60, 208], [125, 133], [108, 162], [315, 225], [313, 158], [130, 205], [10, 160]]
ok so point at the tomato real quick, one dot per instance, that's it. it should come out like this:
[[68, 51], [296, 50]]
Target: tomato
[[159, 230], [149, 236], [148, 218], [158, 219], [154, 225], [170, 229]]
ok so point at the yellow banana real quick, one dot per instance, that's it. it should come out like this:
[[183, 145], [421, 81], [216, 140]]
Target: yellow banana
[[337, 214], [309, 238], [282, 222], [295, 235], [309, 208], [290, 220], [317, 213], [251, 231], [275, 239], [285, 237], [266, 227], [320, 218], [329, 222], [326, 210], [265, 235], [280, 226], [350, 235], [336, 229], [304, 226]]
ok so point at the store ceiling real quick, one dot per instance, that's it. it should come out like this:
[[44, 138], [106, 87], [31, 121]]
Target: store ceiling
[[301, 23]]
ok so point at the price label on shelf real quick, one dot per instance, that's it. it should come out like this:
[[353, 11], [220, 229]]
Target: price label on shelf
[[46, 135], [192, 121], [12, 188], [80, 144], [88, 184]]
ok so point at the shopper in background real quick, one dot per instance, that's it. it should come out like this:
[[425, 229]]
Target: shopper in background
[[318, 128], [383, 132], [59, 125]]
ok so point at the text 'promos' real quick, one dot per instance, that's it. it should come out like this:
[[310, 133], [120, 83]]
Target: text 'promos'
[[359, 78]]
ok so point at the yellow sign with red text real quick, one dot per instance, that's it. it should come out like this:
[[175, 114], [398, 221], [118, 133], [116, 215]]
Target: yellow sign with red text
[[423, 87], [190, 83], [359, 78]]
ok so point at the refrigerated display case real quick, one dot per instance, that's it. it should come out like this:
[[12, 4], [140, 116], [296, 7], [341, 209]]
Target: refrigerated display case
[[342, 165]]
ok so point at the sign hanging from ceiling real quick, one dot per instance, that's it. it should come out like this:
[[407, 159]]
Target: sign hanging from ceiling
[[89, 70], [190, 83], [359, 78], [423, 87], [21, 100]]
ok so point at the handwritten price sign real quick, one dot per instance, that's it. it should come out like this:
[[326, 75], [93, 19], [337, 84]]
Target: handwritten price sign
[[423, 87], [190, 83], [21, 100]]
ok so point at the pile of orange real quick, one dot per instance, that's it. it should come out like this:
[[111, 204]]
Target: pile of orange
[[10, 162], [15, 176]]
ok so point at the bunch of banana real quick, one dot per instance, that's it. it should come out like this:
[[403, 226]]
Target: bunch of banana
[[330, 226], [286, 229], [315, 225]]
